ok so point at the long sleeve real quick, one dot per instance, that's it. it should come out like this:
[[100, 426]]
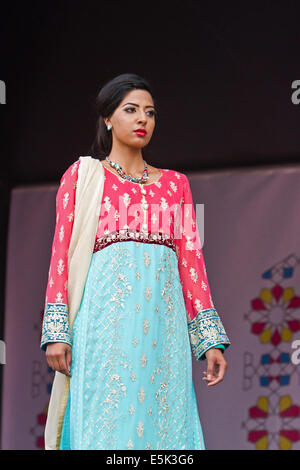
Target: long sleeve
[[205, 328], [55, 321]]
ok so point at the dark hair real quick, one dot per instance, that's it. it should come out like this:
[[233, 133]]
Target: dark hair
[[108, 99]]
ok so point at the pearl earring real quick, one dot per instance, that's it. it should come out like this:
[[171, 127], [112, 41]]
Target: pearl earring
[[109, 127]]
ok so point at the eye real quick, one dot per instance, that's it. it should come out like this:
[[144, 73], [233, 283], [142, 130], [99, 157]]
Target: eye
[[127, 109], [151, 113]]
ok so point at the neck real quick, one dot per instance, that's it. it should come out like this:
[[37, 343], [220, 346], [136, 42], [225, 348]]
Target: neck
[[131, 160]]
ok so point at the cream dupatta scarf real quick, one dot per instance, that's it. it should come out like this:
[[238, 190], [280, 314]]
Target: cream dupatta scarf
[[89, 193]]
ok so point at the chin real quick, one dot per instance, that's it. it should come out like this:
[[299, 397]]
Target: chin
[[139, 145]]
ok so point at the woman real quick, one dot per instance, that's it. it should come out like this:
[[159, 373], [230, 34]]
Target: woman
[[146, 296]]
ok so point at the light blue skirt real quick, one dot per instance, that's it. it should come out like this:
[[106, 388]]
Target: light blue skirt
[[131, 386]]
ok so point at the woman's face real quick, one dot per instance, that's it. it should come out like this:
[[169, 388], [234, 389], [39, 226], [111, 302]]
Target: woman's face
[[136, 111]]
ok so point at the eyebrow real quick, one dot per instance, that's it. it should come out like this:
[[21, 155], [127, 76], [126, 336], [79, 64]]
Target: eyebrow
[[134, 104]]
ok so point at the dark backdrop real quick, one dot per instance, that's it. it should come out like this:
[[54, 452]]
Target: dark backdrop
[[221, 74]]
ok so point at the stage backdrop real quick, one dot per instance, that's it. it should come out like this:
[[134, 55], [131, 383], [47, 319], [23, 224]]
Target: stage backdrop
[[252, 253]]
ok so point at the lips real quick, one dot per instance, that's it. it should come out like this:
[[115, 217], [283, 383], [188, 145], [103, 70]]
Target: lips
[[140, 132]]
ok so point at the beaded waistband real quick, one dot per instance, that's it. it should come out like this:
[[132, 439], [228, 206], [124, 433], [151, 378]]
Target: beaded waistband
[[129, 234]]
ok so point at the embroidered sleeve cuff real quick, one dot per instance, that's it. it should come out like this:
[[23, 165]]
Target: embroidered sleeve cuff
[[55, 325], [206, 331]]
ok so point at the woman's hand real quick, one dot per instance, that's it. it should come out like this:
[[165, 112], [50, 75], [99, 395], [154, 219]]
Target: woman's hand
[[216, 366], [59, 357]]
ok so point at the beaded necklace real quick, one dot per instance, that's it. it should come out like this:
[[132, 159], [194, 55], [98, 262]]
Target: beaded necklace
[[140, 179]]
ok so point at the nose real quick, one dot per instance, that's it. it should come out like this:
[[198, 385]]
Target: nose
[[142, 117]]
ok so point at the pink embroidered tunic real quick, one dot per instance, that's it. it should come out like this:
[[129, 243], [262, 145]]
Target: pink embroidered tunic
[[157, 213], [145, 304]]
